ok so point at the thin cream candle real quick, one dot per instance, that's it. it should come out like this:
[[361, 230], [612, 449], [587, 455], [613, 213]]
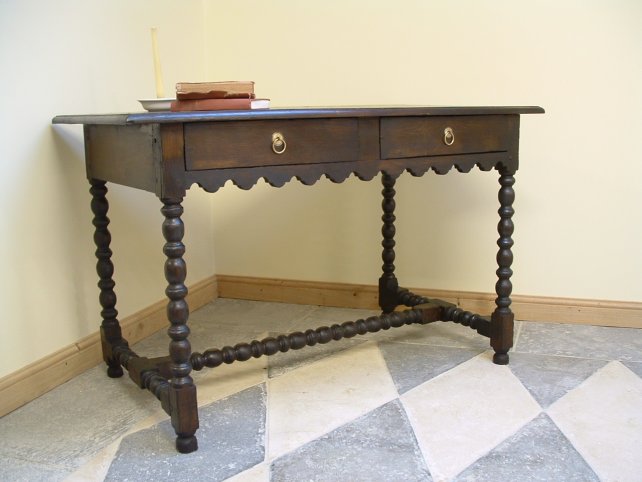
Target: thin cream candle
[[158, 74]]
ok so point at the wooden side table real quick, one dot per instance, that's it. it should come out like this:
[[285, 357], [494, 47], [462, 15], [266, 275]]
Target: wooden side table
[[165, 153]]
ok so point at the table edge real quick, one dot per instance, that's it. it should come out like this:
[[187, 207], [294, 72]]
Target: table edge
[[289, 113]]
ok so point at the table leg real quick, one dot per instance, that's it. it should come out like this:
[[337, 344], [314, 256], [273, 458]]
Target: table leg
[[110, 333], [182, 391], [501, 327], [388, 284]]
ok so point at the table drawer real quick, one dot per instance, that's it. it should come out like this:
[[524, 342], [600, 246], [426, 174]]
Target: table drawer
[[403, 137], [234, 144]]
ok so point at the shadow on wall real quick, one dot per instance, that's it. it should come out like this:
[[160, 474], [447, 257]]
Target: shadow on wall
[[136, 237], [68, 155]]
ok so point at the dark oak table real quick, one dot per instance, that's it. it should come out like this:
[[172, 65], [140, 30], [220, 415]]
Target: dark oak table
[[165, 153]]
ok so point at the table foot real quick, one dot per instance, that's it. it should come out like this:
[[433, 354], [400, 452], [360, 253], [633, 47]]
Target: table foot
[[186, 445], [500, 358], [114, 371]]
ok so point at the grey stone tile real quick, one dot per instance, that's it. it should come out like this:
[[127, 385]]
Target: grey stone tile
[[538, 452], [378, 446], [549, 377], [69, 424], [17, 470], [583, 341], [206, 335], [326, 316], [202, 336], [231, 440], [437, 334], [228, 322], [411, 365], [634, 367], [258, 315]]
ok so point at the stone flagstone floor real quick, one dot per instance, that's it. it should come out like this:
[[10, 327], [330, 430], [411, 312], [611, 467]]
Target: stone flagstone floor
[[415, 403]]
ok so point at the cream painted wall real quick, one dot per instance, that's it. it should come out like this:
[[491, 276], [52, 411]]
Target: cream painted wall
[[79, 56], [578, 221]]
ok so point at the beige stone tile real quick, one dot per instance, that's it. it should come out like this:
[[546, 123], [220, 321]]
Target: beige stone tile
[[317, 398], [603, 419], [464, 413], [258, 473], [216, 383], [97, 467]]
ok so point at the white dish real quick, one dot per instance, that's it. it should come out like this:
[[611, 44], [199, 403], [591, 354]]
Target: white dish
[[155, 105]]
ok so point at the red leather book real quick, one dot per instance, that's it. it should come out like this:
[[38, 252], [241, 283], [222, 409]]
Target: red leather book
[[233, 89], [219, 104]]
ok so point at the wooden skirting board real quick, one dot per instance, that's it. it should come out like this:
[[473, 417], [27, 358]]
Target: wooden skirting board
[[26, 384], [35, 379], [530, 308]]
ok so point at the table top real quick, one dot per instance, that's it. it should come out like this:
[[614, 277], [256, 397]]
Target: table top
[[290, 113], [166, 152]]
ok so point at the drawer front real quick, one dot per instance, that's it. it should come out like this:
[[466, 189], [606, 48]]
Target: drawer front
[[235, 144], [403, 137]]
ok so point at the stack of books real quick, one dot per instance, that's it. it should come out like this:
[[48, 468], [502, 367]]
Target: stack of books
[[231, 95]]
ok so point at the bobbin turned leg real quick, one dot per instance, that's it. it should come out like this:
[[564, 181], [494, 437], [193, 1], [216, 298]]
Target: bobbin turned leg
[[502, 320], [182, 392], [388, 284], [110, 333]]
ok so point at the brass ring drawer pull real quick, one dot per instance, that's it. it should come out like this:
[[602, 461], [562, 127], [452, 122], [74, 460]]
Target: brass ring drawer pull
[[449, 136], [278, 143]]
